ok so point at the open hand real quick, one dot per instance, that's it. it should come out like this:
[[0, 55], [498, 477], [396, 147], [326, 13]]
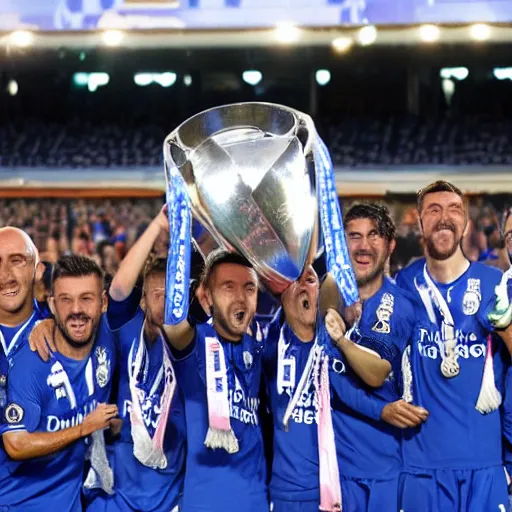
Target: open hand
[[41, 339]]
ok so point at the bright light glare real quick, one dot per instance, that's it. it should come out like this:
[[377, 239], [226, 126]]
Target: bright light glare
[[480, 32], [342, 44], [143, 79], [165, 79], [503, 73], [81, 79], [21, 38], [459, 73], [97, 80], [252, 77], [287, 33], [12, 87], [367, 35], [187, 80], [323, 77], [113, 37], [429, 33]]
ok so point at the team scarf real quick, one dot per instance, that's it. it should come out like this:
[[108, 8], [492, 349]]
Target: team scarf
[[220, 434], [100, 474], [316, 374], [148, 442], [489, 398]]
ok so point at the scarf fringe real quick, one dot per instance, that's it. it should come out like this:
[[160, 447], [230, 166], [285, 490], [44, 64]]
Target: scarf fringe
[[407, 375], [224, 439], [100, 475], [144, 451], [489, 398]]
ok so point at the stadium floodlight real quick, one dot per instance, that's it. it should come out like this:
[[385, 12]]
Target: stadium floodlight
[[12, 87], [459, 73], [323, 77], [187, 80], [167, 79], [21, 38], [503, 73], [97, 80], [113, 37], [81, 79], [342, 44], [252, 77], [143, 79], [287, 33], [430, 33], [367, 35], [480, 32]]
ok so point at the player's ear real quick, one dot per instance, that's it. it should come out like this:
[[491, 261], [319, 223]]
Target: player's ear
[[104, 302], [51, 304]]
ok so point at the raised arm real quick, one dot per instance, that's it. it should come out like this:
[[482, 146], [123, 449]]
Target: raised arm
[[132, 265]]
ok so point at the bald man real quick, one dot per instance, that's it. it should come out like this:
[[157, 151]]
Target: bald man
[[20, 269]]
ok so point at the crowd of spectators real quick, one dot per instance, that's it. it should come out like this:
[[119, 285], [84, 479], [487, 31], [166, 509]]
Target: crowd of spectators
[[353, 143], [106, 229]]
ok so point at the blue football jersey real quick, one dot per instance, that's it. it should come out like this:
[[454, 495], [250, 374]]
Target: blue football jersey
[[295, 470], [370, 448], [44, 398], [216, 481], [455, 435], [137, 486]]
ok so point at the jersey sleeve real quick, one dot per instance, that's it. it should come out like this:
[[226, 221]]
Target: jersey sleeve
[[389, 338], [119, 313], [489, 284], [24, 396], [354, 397]]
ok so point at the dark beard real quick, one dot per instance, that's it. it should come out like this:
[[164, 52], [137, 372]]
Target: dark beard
[[370, 278], [219, 319], [70, 341], [439, 256]]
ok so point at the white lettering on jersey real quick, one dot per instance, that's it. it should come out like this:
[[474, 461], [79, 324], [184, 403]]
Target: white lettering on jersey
[[242, 408], [431, 345], [56, 423]]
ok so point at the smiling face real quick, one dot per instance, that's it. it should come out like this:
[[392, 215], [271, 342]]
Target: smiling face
[[232, 294], [443, 221], [508, 235], [300, 300], [368, 249], [77, 304], [18, 271]]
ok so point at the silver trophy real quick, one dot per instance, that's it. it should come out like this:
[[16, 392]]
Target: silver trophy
[[250, 174]]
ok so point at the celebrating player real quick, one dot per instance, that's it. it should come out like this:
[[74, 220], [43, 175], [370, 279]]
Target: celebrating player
[[55, 405], [369, 452], [219, 371], [149, 456], [454, 462]]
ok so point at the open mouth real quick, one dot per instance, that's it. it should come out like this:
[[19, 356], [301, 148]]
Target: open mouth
[[239, 316], [11, 293], [304, 301]]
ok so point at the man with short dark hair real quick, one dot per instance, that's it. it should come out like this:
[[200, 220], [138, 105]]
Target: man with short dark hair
[[369, 451], [454, 462], [149, 455], [54, 406], [219, 368]]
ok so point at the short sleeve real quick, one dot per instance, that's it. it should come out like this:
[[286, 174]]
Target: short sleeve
[[120, 313], [390, 338], [24, 396], [489, 284]]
